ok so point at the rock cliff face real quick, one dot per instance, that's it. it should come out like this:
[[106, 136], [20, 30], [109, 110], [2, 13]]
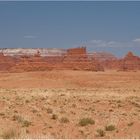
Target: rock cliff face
[[74, 59], [6, 62], [21, 60], [130, 62]]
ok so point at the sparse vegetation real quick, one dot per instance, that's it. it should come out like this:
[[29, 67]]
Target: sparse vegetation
[[17, 118], [27, 101], [20, 119], [54, 117], [26, 123], [2, 114], [49, 110], [110, 127], [47, 114], [100, 133], [130, 124], [64, 120], [86, 121], [34, 110]]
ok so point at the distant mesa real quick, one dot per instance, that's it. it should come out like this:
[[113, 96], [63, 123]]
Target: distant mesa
[[130, 62], [129, 55], [77, 51], [42, 59]]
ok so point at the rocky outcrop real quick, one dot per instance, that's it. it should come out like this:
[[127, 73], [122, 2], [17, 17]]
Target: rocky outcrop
[[6, 62], [71, 59], [130, 62]]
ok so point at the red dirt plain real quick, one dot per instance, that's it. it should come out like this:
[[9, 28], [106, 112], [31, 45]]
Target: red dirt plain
[[52, 104]]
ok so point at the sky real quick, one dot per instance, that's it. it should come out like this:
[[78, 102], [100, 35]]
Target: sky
[[110, 26]]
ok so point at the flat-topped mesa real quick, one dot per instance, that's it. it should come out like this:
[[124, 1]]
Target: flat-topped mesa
[[79, 59], [77, 51], [73, 59]]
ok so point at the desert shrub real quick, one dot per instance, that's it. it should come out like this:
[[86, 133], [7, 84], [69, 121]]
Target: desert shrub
[[54, 116], [20, 119], [34, 110], [49, 110], [100, 133], [110, 128], [130, 124], [26, 123], [2, 114], [86, 121], [64, 120], [17, 118], [27, 101]]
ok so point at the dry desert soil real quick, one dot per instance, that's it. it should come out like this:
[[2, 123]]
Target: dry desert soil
[[70, 104]]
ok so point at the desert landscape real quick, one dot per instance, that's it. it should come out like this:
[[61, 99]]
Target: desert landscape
[[69, 69], [73, 94]]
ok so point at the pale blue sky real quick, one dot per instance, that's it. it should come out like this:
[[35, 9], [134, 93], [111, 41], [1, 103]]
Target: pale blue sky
[[101, 26]]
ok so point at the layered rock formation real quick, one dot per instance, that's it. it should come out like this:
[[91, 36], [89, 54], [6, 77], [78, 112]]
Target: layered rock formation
[[74, 59], [59, 59], [130, 62], [6, 62]]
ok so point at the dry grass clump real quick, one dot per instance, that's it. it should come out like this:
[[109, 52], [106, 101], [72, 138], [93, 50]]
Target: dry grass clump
[[49, 110], [110, 127], [54, 117], [26, 123], [64, 120], [23, 121], [86, 121], [100, 133], [130, 124]]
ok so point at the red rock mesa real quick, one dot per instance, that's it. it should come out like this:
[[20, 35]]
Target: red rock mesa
[[21, 60]]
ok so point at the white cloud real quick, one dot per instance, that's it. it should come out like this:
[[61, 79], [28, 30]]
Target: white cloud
[[109, 44], [29, 36], [136, 40], [96, 41], [102, 43]]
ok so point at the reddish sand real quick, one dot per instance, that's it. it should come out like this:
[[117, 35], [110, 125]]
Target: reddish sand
[[50, 104]]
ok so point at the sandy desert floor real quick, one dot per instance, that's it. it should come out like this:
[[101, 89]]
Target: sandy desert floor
[[70, 104]]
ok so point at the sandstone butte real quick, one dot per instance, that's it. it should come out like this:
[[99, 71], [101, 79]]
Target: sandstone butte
[[71, 59]]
